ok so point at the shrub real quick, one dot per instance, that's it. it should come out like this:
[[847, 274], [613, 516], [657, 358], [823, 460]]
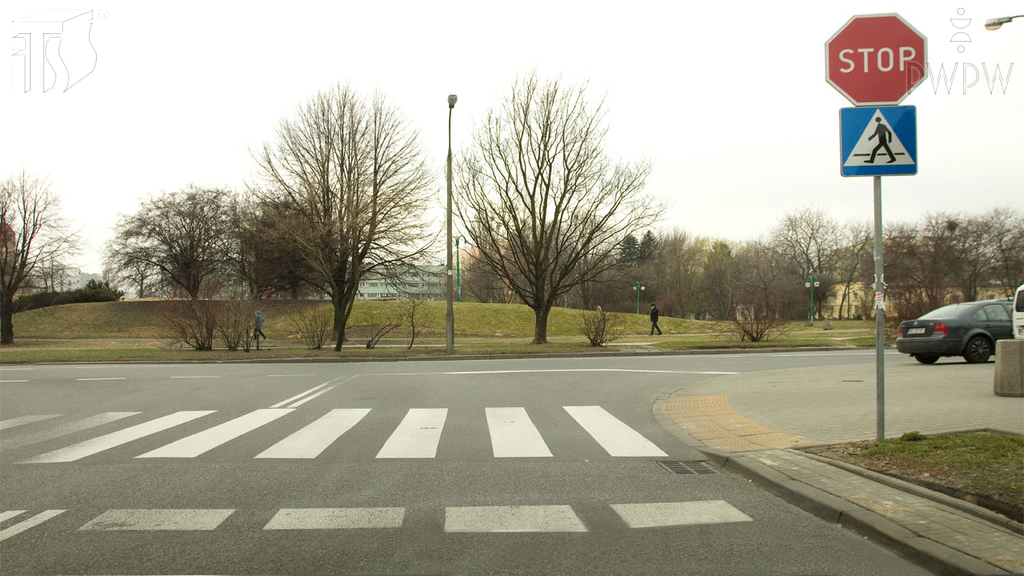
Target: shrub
[[193, 322], [234, 323], [93, 292], [313, 323], [598, 327]]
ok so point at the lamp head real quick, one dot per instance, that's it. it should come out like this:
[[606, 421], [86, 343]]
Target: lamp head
[[996, 23], [452, 99]]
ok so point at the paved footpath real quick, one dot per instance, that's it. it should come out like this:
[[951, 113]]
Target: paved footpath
[[748, 422]]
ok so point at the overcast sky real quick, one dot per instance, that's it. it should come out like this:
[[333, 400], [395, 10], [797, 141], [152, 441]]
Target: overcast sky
[[729, 100]]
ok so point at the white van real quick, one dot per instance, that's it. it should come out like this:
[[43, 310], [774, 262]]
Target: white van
[[1018, 313]]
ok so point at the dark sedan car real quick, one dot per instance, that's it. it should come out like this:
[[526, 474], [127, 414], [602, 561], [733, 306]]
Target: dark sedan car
[[968, 329]]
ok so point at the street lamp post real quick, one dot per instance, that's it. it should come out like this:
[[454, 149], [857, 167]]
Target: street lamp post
[[812, 282], [638, 287], [449, 319], [458, 271]]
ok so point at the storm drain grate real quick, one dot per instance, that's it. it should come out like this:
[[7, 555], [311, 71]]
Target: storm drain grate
[[688, 467]]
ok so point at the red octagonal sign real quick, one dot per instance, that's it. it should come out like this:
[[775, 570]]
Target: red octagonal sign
[[876, 59]]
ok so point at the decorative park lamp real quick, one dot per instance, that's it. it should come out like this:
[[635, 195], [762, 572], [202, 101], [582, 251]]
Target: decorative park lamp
[[638, 287], [812, 283]]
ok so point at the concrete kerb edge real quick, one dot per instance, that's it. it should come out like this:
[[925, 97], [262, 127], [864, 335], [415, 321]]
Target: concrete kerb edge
[[695, 352], [938, 497], [662, 417], [926, 553]]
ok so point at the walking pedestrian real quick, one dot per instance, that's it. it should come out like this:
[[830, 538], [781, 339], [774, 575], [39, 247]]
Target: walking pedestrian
[[654, 320], [257, 325]]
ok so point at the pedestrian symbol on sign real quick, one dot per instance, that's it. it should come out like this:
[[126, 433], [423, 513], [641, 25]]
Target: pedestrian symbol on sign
[[884, 138]]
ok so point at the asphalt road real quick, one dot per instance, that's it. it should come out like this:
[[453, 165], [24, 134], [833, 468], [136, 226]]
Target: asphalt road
[[538, 466]]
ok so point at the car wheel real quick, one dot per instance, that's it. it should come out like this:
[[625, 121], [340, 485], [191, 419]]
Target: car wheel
[[978, 350], [926, 358]]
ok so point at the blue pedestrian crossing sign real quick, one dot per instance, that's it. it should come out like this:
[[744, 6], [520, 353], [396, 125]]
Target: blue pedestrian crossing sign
[[878, 141]]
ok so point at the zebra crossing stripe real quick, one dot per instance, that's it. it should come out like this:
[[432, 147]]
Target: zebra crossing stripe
[[513, 434], [14, 422], [30, 523], [5, 516], [512, 519], [310, 441], [612, 434], [97, 445], [679, 513], [69, 428], [173, 519], [201, 442], [417, 436], [336, 518]]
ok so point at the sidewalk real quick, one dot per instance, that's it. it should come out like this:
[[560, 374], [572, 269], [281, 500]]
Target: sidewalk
[[746, 423]]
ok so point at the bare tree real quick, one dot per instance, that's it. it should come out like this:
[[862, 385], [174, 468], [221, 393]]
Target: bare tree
[[918, 269], [352, 174], [1007, 229], [856, 246], [717, 289], [261, 256], [674, 272], [537, 194], [809, 241], [182, 237], [32, 232], [757, 292]]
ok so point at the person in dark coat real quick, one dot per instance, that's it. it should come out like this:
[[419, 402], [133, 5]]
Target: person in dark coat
[[654, 320]]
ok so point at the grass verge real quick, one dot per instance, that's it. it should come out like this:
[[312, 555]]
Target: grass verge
[[979, 467]]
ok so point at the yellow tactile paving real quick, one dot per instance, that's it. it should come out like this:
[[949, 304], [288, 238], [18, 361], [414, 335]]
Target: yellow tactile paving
[[713, 421]]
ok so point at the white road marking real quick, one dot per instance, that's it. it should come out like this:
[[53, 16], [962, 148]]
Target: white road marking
[[311, 396], [612, 434], [22, 420], [335, 382], [512, 519], [12, 381], [310, 441], [176, 519], [297, 396], [679, 513], [806, 354], [201, 442], [336, 518], [417, 436], [5, 369], [69, 428], [98, 379], [96, 445], [30, 523], [513, 434], [5, 516], [553, 370]]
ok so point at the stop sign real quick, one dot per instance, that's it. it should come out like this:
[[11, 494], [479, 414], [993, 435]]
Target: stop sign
[[875, 60]]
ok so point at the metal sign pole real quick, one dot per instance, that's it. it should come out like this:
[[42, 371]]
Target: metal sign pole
[[879, 316]]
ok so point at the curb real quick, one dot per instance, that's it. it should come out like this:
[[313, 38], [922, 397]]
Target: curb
[[605, 354], [944, 499], [925, 553]]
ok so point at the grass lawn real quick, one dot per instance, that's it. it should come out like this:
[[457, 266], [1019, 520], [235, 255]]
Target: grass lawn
[[979, 467], [138, 330]]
